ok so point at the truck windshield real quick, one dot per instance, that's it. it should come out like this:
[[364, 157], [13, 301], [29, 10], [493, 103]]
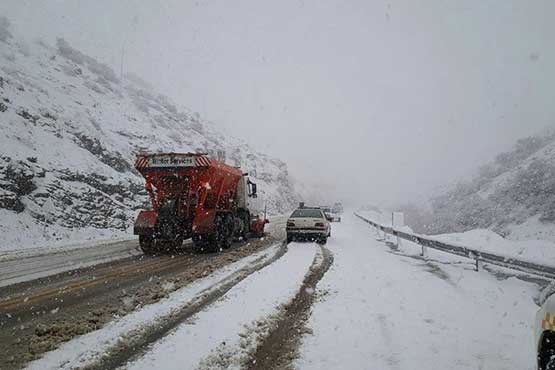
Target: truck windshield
[[312, 213]]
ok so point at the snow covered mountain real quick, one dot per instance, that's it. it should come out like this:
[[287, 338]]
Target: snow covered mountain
[[70, 131], [514, 195]]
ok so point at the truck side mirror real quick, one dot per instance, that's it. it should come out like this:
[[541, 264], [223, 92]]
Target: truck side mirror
[[252, 188]]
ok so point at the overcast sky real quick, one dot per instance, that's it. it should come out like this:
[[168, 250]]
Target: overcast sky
[[382, 101]]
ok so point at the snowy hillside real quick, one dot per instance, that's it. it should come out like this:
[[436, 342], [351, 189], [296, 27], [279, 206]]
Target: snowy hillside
[[513, 196], [70, 131]]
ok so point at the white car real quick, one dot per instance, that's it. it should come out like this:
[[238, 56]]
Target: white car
[[544, 330], [308, 224]]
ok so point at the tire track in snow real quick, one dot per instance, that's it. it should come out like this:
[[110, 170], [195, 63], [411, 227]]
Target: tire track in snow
[[140, 341], [280, 346]]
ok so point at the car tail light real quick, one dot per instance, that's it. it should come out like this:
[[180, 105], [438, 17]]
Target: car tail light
[[319, 224], [290, 223]]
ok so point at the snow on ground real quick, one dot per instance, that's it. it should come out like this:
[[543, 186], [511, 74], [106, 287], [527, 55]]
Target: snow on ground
[[531, 249], [222, 335], [70, 132], [393, 311], [539, 251], [19, 267], [26, 251], [228, 321], [83, 350], [531, 228], [23, 239]]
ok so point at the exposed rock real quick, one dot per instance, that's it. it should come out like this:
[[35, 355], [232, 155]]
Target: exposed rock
[[93, 145], [16, 181], [28, 116]]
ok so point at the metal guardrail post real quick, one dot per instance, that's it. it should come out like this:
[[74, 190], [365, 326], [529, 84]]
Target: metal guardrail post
[[476, 259]]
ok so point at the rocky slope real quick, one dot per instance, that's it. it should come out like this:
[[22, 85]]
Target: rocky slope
[[70, 131], [514, 195]]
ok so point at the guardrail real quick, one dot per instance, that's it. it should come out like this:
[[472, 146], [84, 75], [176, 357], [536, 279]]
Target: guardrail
[[471, 253]]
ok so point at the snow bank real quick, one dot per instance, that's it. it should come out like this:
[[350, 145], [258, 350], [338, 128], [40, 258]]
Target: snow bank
[[537, 251]]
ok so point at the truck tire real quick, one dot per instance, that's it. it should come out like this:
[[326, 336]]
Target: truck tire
[[176, 245], [200, 243], [222, 239], [147, 244], [225, 243], [246, 226], [546, 352]]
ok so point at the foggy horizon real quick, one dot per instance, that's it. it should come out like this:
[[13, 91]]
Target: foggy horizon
[[375, 102]]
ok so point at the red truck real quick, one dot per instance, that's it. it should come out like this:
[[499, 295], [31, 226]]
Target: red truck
[[196, 197]]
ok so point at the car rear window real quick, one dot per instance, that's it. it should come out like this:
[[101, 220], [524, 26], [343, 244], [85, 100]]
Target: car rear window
[[312, 213]]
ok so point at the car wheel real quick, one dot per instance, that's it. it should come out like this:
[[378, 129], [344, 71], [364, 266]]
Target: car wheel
[[546, 355], [289, 239], [551, 364], [323, 240]]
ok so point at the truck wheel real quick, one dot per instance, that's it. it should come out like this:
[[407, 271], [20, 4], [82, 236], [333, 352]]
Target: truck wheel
[[222, 239], [200, 243], [147, 244], [246, 226], [175, 246], [546, 352], [225, 243]]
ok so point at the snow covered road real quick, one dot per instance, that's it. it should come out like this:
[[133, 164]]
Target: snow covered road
[[388, 311], [222, 336], [17, 266], [374, 308]]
